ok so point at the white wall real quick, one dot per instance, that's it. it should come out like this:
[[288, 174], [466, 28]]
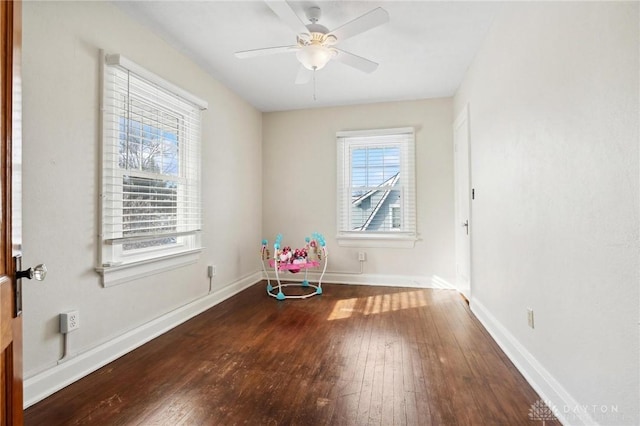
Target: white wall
[[553, 98], [299, 186], [61, 155]]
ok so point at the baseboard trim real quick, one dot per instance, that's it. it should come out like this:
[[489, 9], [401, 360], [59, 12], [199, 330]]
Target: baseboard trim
[[549, 389], [369, 279], [43, 384]]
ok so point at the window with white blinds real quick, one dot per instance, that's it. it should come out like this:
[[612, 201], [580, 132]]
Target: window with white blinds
[[376, 187], [151, 199]]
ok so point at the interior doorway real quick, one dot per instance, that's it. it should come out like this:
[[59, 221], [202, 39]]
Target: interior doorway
[[463, 196]]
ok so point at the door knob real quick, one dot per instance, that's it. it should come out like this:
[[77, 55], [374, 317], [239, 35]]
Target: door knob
[[38, 273]]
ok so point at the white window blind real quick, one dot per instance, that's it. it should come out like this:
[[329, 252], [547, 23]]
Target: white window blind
[[376, 184], [151, 199]]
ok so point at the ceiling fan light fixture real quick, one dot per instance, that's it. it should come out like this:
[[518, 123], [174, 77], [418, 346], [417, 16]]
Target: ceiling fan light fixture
[[314, 56]]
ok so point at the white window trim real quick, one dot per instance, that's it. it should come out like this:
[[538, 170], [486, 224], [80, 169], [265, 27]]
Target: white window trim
[[388, 239], [179, 254], [120, 60], [118, 274], [376, 240]]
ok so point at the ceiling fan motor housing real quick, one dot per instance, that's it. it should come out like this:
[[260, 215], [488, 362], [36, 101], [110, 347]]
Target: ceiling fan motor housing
[[317, 28]]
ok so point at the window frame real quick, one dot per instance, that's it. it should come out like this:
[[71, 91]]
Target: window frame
[[346, 142], [117, 265]]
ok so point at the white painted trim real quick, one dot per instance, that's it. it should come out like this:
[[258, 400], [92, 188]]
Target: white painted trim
[[375, 132], [118, 274], [45, 383], [549, 389], [377, 240], [367, 279], [462, 116]]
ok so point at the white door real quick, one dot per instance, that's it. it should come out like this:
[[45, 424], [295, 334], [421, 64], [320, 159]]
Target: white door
[[463, 203]]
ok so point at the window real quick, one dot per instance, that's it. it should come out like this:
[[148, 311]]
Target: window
[[376, 188], [150, 201]]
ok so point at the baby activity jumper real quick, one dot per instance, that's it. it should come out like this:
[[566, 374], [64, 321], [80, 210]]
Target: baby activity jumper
[[288, 260]]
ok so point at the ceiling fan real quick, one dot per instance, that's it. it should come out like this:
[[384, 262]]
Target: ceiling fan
[[315, 44]]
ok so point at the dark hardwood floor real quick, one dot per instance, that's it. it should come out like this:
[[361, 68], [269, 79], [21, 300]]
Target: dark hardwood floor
[[355, 355]]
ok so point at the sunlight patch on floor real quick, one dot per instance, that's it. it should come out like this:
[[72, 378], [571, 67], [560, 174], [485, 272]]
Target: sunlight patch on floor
[[378, 304]]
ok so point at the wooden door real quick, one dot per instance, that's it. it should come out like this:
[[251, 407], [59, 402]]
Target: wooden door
[[10, 305], [462, 203]]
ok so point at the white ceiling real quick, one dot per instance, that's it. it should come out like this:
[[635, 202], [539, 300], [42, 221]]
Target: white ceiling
[[423, 51]]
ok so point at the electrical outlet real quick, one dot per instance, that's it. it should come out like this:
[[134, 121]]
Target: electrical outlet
[[211, 271], [362, 256], [530, 317], [69, 321]]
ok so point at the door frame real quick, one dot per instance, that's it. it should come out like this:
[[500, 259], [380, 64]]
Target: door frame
[[11, 389]]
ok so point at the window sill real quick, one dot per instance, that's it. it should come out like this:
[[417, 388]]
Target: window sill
[[377, 240], [119, 274]]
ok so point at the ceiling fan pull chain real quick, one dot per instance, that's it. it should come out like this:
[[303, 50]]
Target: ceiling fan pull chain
[[314, 84]]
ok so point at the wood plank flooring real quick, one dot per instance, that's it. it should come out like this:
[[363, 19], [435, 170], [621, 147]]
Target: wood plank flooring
[[356, 355]]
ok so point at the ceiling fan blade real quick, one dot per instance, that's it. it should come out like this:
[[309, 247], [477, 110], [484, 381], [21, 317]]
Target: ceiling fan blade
[[355, 61], [364, 23], [304, 75], [286, 13], [265, 51]]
